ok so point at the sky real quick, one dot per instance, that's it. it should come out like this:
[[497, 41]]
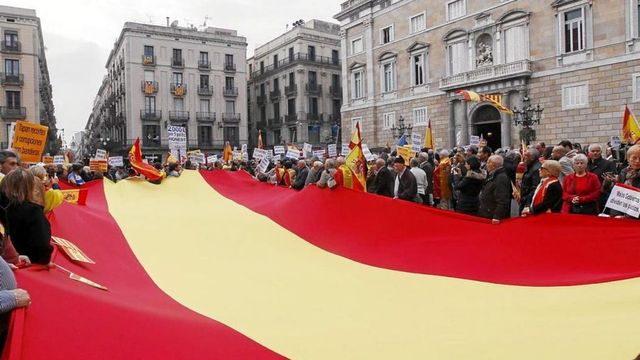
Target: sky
[[79, 34]]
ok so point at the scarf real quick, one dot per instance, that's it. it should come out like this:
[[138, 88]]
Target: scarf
[[541, 190]]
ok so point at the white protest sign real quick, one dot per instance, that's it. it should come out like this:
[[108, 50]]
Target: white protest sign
[[264, 164], [474, 140], [307, 148], [367, 153], [116, 161], [270, 154], [58, 160], [243, 148], [416, 142], [345, 150], [212, 159], [101, 154], [319, 154], [177, 140], [260, 154], [615, 142], [12, 130], [332, 150], [198, 158], [293, 154], [278, 149], [237, 155], [625, 199]]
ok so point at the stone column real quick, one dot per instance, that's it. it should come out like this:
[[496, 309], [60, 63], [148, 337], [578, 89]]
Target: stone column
[[506, 122], [465, 126], [452, 123], [369, 44]]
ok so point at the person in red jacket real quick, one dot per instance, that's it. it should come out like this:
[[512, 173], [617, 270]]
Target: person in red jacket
[[581, 189]]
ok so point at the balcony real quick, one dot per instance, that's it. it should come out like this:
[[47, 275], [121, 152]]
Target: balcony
[[261, 100], [290, 119], [205, 90], [275, 123], [204, 65], [275, 95], [295, 59], [151, 115], [206, 116], [205, 143], [149, 87], [13, 113], [179, 89], [151, 141], [336, 92], [334, 119], [177, 62], [313, 89], [229, 67], [11, 79], [230, 91], [179, 116], [486, 74], [291, 90], [12, 47], [313, 117], [149, 60], [230, 118]]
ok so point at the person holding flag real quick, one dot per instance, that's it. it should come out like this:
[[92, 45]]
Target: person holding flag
[[353, 174], [152, 174], [227, 155], [630, 128]]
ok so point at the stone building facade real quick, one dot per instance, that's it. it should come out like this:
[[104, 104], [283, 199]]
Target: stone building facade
[[26, 92], [579, 59], [170, 75], [295, 91]]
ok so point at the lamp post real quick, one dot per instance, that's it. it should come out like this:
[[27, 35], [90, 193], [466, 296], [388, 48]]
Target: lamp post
[[527, 116], [400, 130]]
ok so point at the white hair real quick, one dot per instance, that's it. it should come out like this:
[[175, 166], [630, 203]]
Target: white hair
[[595, 145], [444, 152], [497, 160], [580, 157]]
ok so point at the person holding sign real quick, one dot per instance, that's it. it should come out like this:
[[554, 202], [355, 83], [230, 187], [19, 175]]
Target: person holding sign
[[629, 176], [24, 221]]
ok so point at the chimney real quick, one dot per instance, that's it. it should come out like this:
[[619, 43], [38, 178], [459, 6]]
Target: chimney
[[167, 21]]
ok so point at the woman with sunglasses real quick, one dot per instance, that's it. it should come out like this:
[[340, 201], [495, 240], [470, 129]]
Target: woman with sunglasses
[[547, 198]]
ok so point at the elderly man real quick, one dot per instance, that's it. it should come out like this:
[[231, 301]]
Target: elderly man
[[426, 166], [380, 180], [301, 175], [599, 165], [421, 181], [495, 197], [531, 177], [405, 186], [314, 173], [8, 162], [559, 154], [326, 176]]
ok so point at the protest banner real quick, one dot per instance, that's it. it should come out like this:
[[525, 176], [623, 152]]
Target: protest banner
[[416, 142], [264, 164], [270, 154], [260, 154], [212, 159], [332, 150], [307, 149], [72, 251], [345, 150], [243, 149], [278, 149], [293, 154], [615, 142], [116, 161], [58, 160], [625, 199], [29, 141], [177, 141], [367, 153], [474, 140], [47, 160], [407, 153], [197, 158], [98, 165], [319, 154], [101, 154]]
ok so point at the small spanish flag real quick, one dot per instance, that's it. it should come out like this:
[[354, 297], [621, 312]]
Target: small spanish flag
[[75, 196], [228, 153], [135, 159]]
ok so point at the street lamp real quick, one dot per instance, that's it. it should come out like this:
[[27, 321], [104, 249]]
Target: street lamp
[[105, 141], [400, 130], [527, 116]]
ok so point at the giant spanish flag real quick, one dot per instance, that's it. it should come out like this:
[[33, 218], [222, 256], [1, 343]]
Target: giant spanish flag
[[228, 271]]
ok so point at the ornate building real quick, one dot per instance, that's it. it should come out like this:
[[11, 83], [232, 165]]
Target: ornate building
[[407, 58]]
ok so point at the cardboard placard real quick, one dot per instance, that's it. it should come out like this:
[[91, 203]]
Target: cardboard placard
[[29, 141], [116, 161], [101, 154], [177, 140], [319, 154], [616, 142], [58, 160], [212, 159], [345, 150], [197, 158], [367, 153], [47, 160], [625, 199], [100, 165], [264, 164], [474, 140], [332, 150], [407, 153], [72, 250], [278, 150], [293, 154]]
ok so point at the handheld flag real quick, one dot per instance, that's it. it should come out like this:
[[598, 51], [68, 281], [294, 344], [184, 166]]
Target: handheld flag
[[402, 141], [428, 137], [135, 158], [260, 145], [630, 127], [227, 155], [356, 160]]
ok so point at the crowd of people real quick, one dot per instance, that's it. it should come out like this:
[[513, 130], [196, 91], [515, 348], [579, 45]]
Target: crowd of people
[[478, 181]]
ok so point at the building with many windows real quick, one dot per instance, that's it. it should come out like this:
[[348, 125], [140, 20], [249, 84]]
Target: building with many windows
[[406, 59], [169, 75], [26, 92], [295, 87]]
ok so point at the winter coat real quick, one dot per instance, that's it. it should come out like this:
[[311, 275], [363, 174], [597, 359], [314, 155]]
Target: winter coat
[[468, 188]]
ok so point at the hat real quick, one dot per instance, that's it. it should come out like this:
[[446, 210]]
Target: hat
[[399, 160]]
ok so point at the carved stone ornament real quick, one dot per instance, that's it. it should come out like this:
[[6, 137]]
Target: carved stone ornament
[[484, 51]]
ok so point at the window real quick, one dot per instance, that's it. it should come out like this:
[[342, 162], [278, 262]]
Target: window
[[151, 135], [204, 81], [276, 111], [178, 104], [311, 50], [417, 23], [335, 57], [574, 30], [149, 76], [261, 67], [150, 104], [417, 68], [262, 89], [388, 77], [515, 44], [358, 84], [229, 83], [275, 61], [228, 60], [388, 120], [13, 99], [204, 57], [11, 67], [636, 87], [177, 57], [276, 84], [335, 81], [291, 107], [313, 105], [313, 79], [291, 54], [386, 35], [575, 96], [456, 9], [420, 116], [177, 78], [356, 46], [11, 39], [204, 135], [292, 79], [231, 135], [230, 107], [457, 58], [148, 51], [205, 105]]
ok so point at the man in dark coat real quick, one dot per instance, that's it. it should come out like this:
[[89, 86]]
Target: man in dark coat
[[427, 168], [531, 177], [495, 198], [301, 175], [405, 186], [380, 180]]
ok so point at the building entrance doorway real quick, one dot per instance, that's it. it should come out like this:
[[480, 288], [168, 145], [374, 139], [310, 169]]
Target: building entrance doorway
[[488, 124]]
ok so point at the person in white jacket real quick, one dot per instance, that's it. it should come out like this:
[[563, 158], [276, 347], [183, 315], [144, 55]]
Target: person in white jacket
[[421, 180]]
